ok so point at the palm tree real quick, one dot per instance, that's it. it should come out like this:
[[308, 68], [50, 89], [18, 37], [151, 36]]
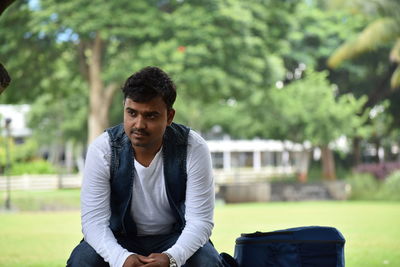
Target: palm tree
[[385, 29]]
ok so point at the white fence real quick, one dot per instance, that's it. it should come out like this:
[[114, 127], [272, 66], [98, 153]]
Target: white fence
[[49, 182], [41, 182]]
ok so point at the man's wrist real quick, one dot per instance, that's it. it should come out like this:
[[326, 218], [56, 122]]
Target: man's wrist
[[172, 261]]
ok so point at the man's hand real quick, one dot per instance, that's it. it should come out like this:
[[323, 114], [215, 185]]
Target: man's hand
[[136, 260], [160, 260], [153, 260]]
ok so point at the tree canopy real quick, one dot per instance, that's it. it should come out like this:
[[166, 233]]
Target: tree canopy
[[245, 66]]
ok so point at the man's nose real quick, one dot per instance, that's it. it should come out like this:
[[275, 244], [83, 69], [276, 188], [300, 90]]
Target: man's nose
[[140, 122]]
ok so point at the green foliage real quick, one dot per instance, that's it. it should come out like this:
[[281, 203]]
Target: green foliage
[[32, 167], [225, 57], [18, 152], [23, 158], [215, 51], [391, 187], [308, 109], [27, 54], [317, 32], [367, 187], [363, 187], [383, 30], [321, 29], [315, 170]]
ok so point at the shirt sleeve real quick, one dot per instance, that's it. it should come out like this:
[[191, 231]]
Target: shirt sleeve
[[95, 203], [199, 203]]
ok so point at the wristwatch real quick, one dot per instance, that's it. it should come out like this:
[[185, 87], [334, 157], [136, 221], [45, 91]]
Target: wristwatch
[[172, 261]]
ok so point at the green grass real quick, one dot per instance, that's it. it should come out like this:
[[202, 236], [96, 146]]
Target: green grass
[[43, 200], [371, 229]]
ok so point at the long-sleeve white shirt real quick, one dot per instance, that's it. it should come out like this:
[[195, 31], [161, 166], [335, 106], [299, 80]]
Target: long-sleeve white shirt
[[152, 213]]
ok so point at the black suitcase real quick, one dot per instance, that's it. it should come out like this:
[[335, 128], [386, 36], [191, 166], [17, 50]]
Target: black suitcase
[[309, 246]]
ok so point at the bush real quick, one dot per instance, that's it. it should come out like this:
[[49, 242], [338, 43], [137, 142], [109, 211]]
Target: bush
[[33, 167], [367, 187], [379, 170], [18, 152], [363, 187], [391, 187]]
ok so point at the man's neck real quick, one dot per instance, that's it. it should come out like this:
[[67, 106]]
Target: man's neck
[[145, 155]]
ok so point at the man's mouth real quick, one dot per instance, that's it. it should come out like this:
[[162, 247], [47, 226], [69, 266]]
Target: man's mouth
[[139, 133]]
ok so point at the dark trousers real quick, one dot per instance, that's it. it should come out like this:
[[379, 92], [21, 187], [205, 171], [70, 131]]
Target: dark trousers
[[85, 256]]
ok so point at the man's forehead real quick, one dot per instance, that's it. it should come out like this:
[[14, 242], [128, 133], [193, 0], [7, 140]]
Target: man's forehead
[[155, 104]]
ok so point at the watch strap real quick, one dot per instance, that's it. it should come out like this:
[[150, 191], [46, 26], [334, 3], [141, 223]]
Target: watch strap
[[172, 261]]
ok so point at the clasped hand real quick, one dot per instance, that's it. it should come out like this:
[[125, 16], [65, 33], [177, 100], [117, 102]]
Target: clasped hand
[[153, 260]]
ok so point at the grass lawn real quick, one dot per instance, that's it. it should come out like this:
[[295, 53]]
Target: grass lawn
[[371, 229], [64, 199]]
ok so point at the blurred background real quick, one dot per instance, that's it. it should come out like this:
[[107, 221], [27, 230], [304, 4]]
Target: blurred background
[[297, 99]]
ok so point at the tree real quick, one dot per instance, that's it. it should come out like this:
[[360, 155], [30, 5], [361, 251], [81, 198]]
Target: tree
[[321, 28], [200, 44], [369, 49], [101, 36], [308, 110], [236, 59], [385, 29], [197, 42], [28, 56]]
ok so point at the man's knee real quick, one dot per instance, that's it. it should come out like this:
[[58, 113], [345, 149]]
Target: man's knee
[[206, 256], [85, 256]]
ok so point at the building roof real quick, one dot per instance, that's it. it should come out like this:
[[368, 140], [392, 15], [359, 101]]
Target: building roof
[[252, 145]]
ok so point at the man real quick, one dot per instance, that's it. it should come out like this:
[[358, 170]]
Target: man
[[148, 195]]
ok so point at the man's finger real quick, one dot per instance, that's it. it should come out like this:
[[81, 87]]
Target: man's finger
[[145, 259]]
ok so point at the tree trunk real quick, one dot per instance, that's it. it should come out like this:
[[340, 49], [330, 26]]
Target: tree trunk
[[377, 144], [302, 165], [328, 163], [4, 78], [100, 97], [4, 4], [69, 157], [356, 151]]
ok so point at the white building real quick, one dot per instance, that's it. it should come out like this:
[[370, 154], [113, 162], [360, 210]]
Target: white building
[[18, 125], [248, 160]]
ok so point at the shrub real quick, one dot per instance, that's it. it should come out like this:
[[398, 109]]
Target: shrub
[[33, 167], [363, 187], [18, 152], [391, 187], [379, 170]]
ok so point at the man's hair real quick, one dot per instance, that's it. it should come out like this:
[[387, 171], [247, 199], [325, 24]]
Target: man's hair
[[148, 83]]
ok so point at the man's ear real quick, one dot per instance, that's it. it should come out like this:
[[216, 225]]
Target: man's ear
[[170, 115]]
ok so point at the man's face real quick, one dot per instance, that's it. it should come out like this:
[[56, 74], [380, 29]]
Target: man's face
[[145, 123]]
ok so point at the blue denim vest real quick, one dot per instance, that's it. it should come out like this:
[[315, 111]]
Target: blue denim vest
[[122, 174]]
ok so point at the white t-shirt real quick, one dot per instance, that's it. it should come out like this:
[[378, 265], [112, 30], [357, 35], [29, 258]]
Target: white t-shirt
[[150, 207]]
